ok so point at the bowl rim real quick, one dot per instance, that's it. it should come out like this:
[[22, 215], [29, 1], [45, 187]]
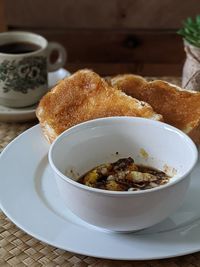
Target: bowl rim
[[89, 124]]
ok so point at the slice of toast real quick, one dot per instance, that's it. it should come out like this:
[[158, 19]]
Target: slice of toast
[[179, 107], [84, 96]]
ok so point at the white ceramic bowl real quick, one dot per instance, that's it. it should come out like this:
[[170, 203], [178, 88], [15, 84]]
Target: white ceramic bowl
[[89, 144]]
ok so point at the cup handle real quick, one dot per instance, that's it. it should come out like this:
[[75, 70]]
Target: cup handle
[[62, 56]]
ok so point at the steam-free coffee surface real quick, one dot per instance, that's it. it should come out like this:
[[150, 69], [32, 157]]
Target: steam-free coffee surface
[[18, 48]]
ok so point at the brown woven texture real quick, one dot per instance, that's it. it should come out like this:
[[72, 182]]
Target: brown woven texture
[[8, 131], [19, 249]]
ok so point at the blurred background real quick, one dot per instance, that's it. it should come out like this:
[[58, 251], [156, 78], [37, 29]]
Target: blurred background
[[111, 36]]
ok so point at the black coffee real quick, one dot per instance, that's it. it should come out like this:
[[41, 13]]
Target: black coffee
[[18, 48]]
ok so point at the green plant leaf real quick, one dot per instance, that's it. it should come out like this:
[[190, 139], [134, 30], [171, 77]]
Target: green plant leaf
[[189, 21], [198, 19], [191, 30], [191, 41], [181, 32]]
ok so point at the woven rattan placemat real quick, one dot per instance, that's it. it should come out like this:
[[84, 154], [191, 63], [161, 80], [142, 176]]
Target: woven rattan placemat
[[20, 249], [8, 131]]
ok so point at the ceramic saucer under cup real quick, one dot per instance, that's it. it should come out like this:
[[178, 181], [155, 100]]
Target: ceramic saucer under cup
[[8, 114]]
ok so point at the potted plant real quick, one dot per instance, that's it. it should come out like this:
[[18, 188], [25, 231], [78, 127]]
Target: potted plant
[[191, 37]]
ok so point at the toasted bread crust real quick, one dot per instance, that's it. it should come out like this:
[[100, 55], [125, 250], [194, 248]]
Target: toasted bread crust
[[195, 133], [85, 96], [179, 107]]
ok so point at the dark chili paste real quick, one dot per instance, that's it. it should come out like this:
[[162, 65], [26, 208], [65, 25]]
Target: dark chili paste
[[124, 175]]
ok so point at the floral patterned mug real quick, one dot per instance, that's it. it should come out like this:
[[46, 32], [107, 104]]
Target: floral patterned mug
[[23, 74]]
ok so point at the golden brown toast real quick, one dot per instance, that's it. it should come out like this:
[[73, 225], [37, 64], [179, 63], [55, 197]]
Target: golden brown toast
[[84, 96], [179, 107]]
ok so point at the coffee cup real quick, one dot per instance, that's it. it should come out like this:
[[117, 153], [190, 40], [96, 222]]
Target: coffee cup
[[24, 66]]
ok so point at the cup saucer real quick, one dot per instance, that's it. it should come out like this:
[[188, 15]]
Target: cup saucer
[[8, 114]]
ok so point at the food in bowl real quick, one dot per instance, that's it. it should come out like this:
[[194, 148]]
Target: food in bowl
[[124, 175]]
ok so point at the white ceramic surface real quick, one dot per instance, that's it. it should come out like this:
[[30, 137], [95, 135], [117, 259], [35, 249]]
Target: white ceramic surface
[[92, 143], [28, 113], [29, 197]]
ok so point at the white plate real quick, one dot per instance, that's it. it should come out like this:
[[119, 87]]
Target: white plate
[[28, 113], [29, 197]]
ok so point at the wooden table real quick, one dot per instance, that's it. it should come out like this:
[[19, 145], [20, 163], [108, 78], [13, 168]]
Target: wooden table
[[19, 249]]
